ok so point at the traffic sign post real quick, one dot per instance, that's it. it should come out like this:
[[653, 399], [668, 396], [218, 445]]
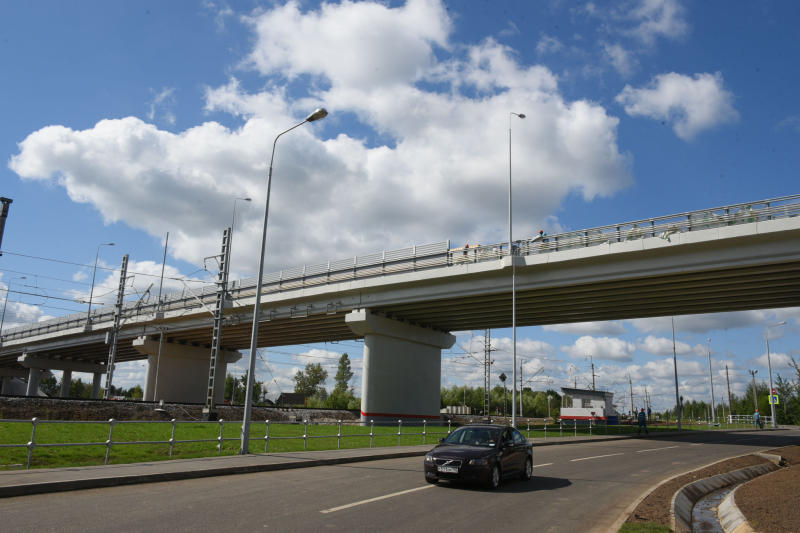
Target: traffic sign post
[[774, 400]]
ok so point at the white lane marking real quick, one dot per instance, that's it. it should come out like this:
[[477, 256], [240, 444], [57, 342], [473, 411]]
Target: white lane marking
[[362, 502], [655, 449], [697, 444], [596, 457], [545, 464]]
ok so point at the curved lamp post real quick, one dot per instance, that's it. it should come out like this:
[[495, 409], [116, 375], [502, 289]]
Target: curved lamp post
[[769, 363], [248, 400], [513, 286], [5, 303], [91, 292]]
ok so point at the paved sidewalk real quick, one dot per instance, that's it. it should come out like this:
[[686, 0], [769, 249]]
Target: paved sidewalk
[[41, 480]]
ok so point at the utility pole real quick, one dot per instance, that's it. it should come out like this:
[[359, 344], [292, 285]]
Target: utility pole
[[112, 353], [678, 405], [755, 398], [520, 386], [487, 364], [630, 383], [711, 380], [593, 374], [728, 379]]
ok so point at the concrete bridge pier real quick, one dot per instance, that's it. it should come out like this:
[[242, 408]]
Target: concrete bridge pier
[[401, 378], [181, 373], [38, 364]]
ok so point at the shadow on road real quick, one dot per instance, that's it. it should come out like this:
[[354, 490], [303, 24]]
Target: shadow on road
[[537, 483], [764, 438]]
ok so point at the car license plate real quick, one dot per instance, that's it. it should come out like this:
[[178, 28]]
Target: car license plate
[[448, 469]]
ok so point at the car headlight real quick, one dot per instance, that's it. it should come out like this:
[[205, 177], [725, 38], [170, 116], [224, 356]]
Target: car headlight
[[481, 461], [429, 458]]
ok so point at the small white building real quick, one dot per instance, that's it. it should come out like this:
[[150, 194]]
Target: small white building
[[588, 405]]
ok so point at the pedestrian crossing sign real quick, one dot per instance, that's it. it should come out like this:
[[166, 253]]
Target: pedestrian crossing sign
[[774, 400]]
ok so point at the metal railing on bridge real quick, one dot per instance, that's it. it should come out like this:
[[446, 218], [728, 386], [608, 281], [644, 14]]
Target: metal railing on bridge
[[437, 255]]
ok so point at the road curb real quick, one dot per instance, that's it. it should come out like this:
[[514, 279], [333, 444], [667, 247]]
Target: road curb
[[684, 499], [730, 516]]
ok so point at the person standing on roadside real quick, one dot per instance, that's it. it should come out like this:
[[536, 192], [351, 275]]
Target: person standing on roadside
[[757, 420], [642, 418]]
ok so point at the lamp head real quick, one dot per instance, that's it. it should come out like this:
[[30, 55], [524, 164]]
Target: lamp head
[[318, 114]]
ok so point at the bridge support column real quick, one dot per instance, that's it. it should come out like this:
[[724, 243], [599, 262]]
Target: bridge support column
[[181, 374], [34, 375], [97, 378], [66, 381], [401, 377]]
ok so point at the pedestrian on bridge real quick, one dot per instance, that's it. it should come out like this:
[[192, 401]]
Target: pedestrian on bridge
[[642, 418]]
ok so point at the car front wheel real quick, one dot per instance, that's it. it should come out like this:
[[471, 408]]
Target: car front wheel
[[527, 473], [494, 477]]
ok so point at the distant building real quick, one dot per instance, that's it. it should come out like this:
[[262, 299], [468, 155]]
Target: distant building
[[585, 405], [291, 399], [456, 410]]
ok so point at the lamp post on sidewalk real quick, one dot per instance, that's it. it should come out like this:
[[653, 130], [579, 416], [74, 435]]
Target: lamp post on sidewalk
[[91, 292], [248, 400], [512, 256], [769, 363]]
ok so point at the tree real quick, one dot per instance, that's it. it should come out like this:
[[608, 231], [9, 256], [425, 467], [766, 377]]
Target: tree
[[48, 385], [343, 374], [309, 383]]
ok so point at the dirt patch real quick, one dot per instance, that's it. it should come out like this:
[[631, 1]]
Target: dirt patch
[[770, 502], [656, 506]]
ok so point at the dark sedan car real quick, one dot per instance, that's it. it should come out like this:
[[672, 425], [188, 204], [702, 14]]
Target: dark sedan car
[[480, 454]]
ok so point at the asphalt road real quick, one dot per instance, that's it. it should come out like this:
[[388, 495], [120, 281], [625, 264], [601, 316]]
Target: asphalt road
[[576, 487]]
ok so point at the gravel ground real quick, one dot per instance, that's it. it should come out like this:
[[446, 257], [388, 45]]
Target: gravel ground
[[770, 502], [656, 506]]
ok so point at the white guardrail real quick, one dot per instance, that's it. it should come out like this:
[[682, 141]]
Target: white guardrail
[[436, 255]]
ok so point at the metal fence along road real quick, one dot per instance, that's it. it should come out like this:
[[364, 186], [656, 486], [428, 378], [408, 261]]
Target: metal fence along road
[[435, 255], [217, 429]]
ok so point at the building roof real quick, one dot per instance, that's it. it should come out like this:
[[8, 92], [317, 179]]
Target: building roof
[[587, 392]]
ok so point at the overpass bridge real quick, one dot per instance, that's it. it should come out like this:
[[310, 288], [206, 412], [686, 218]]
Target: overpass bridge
[[404, 303]]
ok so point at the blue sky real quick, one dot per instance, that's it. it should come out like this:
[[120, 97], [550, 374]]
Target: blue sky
[[124, 121]]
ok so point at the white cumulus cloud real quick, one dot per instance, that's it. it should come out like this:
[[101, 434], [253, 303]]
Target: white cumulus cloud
[[690, 103], [601, 348]]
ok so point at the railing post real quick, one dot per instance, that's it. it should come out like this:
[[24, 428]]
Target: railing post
[[172, 439], [266, 438], [560, 428], [575, 424], [32, 442], [590, 427], [529, 428], [219, 439], [339, 437], [305, 435], [449, 421], [110, 440], [545, 429], [399, 430], [371, 432], [424, 432]]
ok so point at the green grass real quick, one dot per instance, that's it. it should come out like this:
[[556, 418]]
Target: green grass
[[283, 438], [644, 527]]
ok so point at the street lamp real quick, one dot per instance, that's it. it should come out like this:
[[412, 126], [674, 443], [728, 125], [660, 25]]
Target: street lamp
[[91, 292], [711, 378], [248, 400], [511, 255], [769, 363], [5, 303]]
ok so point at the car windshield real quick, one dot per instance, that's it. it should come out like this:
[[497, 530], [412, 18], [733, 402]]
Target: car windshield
[[485, 437]]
